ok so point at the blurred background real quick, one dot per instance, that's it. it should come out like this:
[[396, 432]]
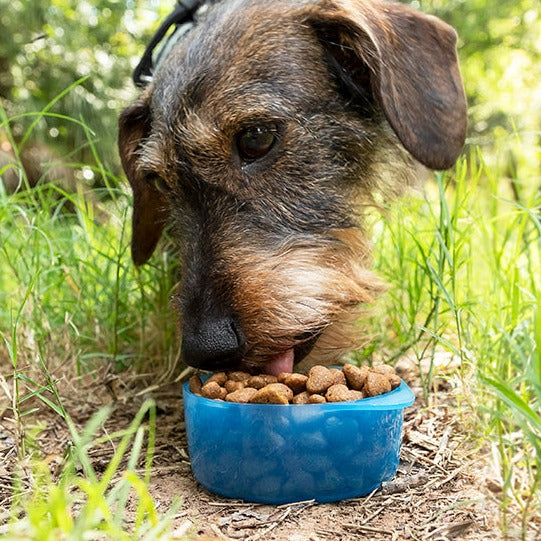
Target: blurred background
[[46, 46]]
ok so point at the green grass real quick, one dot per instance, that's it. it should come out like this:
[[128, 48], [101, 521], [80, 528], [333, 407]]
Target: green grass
[[463, 266], [72, 302], [82, 504]]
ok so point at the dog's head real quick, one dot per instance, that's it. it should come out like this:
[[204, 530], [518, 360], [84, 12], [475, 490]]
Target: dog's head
[[260, 138]]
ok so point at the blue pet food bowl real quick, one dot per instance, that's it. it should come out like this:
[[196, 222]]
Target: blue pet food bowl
[[271, 453]]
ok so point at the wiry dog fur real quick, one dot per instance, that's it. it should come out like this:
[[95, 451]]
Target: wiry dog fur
[[354, 92]]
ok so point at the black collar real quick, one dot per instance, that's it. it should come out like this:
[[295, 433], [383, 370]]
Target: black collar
[[182, 15]]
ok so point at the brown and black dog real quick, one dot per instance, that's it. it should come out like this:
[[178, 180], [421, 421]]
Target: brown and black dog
[[262, 136]]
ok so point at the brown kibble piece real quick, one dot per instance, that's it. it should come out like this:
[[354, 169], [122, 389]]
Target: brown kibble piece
[[280, 388], [213, 390], [195, 384], [219, 377], [301, 398], [384, 369], [296, 382], [271, 394], [341, 393], [258, 382], [319, 380], [337, 393], [394, 380], [338, 376], [242, 395], [376, 384], [231, 386], [238, 376], [316, 399], [355, 376]]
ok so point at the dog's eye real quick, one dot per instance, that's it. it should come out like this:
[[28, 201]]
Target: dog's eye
[[255, 142], [154, 180]]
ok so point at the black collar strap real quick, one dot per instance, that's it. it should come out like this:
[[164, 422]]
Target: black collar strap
[[182, 14]]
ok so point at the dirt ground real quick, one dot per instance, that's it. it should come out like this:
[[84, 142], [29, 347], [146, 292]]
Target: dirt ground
[[443, 489]]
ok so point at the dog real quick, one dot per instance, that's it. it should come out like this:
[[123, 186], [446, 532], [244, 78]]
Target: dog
[[265, 131]]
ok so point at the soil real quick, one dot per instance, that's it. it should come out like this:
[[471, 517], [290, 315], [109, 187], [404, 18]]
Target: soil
[[443, 488]]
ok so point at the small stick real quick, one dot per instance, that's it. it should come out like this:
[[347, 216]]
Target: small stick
[[402, 484]]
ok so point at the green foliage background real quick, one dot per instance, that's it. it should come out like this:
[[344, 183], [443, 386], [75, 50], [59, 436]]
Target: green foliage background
[[45, 46]]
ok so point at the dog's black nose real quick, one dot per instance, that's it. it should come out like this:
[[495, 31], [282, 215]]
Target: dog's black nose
[[213, 344]]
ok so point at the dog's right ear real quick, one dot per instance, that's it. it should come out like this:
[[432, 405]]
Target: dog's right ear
[[150, 209]]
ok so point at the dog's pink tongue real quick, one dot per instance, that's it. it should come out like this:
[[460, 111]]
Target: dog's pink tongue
[[283, 362]]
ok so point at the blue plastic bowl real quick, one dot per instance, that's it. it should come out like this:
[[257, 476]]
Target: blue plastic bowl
[[271, 453]]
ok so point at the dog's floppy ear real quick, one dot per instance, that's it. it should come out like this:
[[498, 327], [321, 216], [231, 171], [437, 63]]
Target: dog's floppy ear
[[410, 63], [149, 205]]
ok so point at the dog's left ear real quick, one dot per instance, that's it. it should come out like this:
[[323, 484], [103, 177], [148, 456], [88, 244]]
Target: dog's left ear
[[150, 209], [412, 66]]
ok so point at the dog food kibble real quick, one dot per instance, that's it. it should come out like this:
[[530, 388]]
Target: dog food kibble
[[320, 378], [306, 398], [296, 382], [239, 376], [394, 380], [376, 384], [195, 384], [258, 382], [355, 376], [384, 369], [219, 377], [302, 398], [231, 385], [273, 393], [321, 385], [341, 393], [211, 389], [243, 396], [338, 377]]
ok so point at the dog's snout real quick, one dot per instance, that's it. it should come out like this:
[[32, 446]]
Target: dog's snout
[[213, 344]]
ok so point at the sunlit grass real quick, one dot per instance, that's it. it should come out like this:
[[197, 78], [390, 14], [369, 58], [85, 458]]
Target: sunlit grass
[[72, 302], [462, 259], [464, 267], [66, 267], [71, 272], [82, 504]]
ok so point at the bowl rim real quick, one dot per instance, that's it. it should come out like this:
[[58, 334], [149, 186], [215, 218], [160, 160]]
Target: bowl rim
[[398, 398]]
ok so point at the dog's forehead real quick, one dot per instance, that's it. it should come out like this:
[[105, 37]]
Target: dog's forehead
[[243, 53]]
